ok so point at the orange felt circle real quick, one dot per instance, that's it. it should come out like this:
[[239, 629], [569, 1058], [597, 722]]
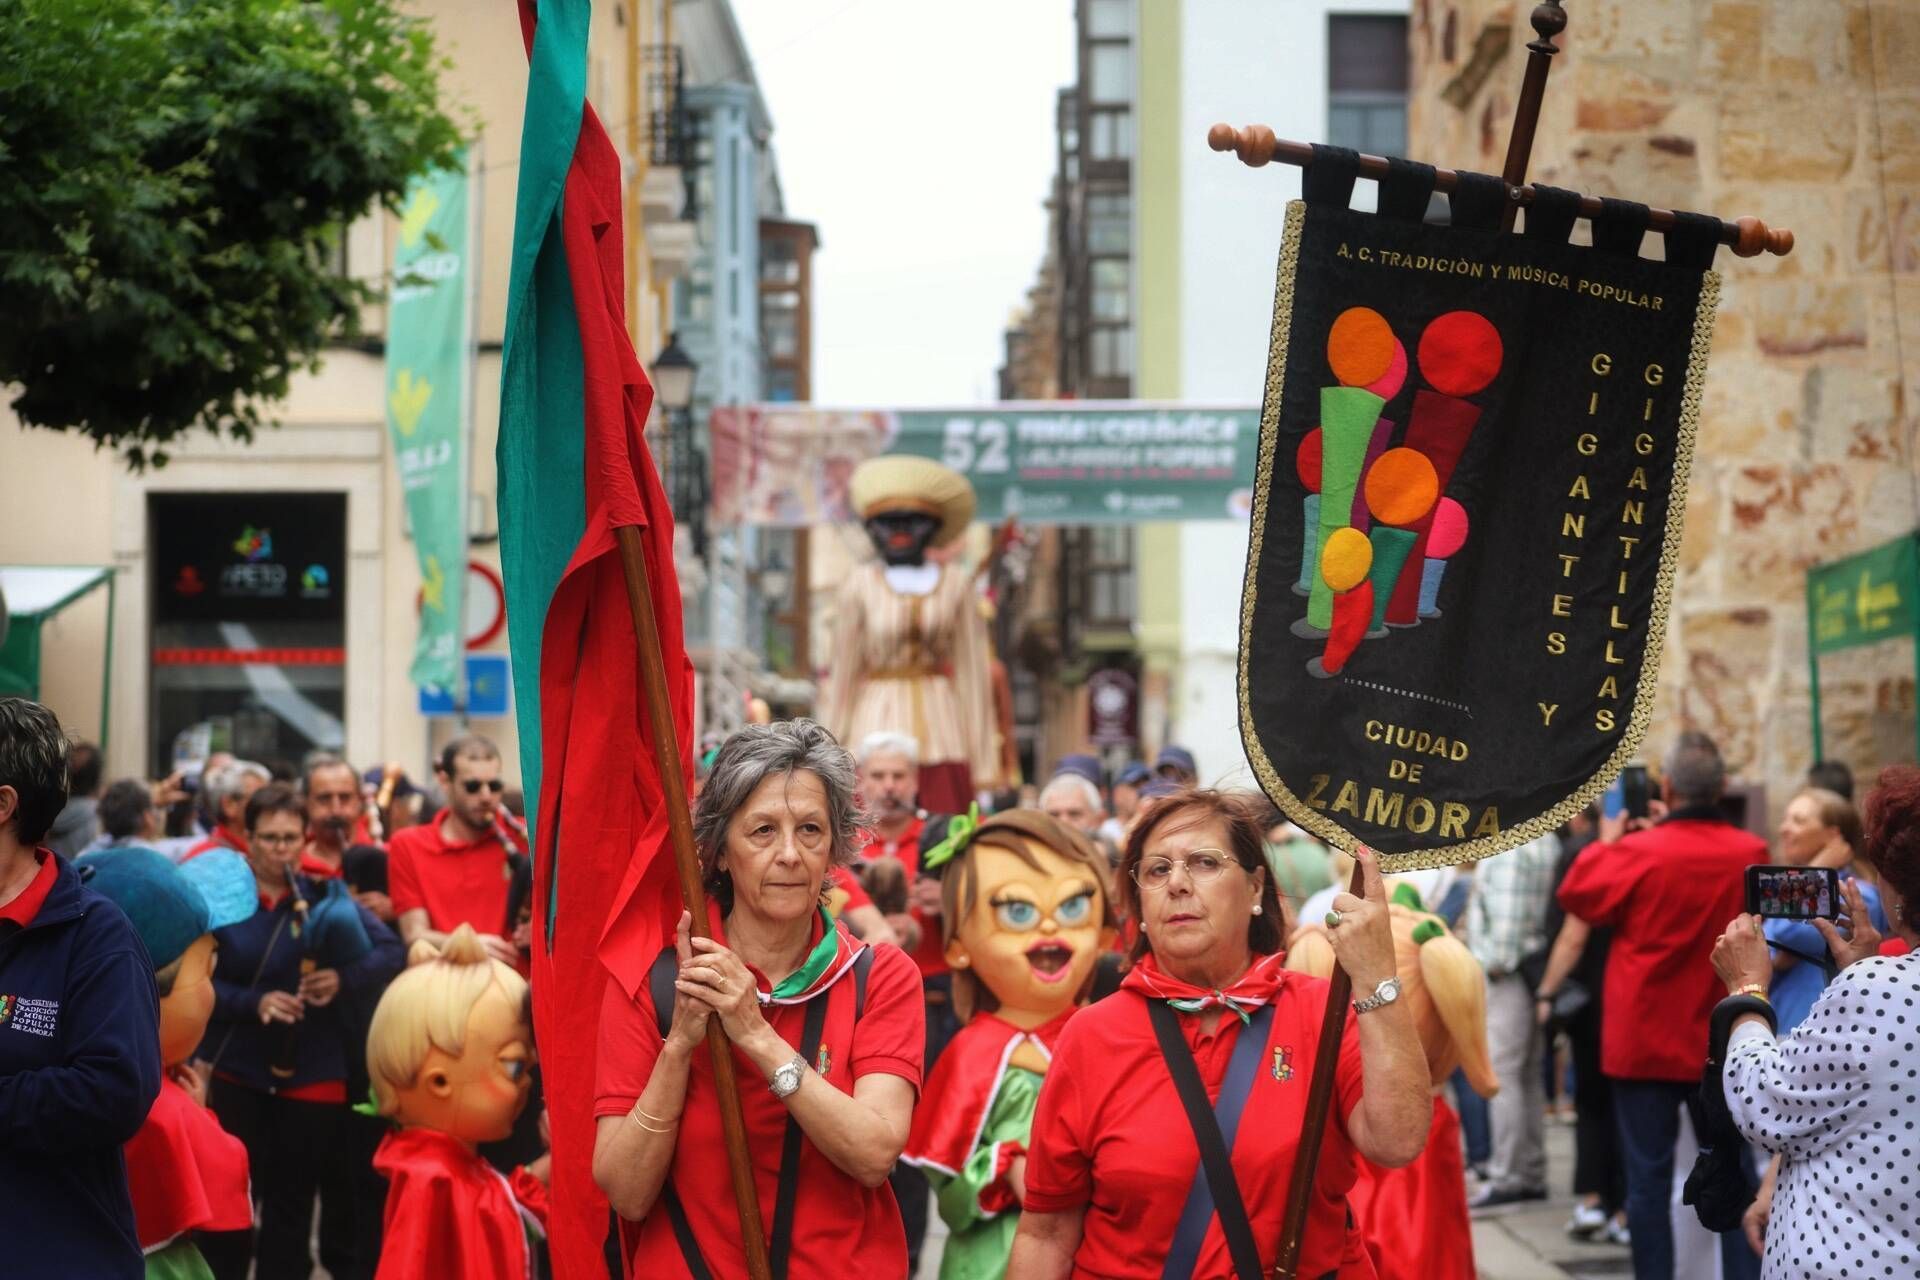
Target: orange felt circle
[[1346, 559], [1360, 346], [1401, 487]]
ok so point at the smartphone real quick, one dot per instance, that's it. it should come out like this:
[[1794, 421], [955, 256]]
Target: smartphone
[[1793, 893], [1634, 790]]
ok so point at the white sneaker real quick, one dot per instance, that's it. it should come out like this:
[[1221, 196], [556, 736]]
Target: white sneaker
[[1587, 1219], [1617, 1233]]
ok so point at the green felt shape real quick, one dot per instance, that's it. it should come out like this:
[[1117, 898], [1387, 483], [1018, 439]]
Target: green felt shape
[[1405, 895], [1390, 549], [1427, 930], [1347, 415]]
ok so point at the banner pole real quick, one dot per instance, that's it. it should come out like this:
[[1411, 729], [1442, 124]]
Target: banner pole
[[666, 748], [1548, 20], [1313, 1127], [1813, 668]]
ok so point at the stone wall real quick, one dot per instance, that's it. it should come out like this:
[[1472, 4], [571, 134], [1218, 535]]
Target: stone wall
[[1805, 113]]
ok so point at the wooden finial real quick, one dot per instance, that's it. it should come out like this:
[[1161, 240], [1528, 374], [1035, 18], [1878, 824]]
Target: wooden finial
[[1223, 137], [1255, 145], [1757, 238], [1548, 20]]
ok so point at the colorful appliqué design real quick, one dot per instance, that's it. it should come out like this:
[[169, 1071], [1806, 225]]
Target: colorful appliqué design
[[825, 1062], [6, 1009], [1283, 1063]]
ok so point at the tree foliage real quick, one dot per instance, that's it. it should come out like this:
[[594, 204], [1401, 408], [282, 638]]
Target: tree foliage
[[174, 178]]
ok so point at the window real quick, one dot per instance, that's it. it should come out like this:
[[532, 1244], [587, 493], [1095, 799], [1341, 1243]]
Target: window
[[1112, 354], [1109, 18], [1110, 575], [1367, 82], [1109, 223], [780, 324], [1110, 73], [779, 264], [1112, 135], [1112, 280]]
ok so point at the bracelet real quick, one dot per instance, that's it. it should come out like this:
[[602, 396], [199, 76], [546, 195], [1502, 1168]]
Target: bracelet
[[644, 1125], [1755, 990], [649, 1115]]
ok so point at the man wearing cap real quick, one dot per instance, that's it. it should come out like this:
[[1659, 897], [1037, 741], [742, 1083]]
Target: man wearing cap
[[79, 1031], [1176, 765], [1126, 801], [187, 1175], [910, 645]]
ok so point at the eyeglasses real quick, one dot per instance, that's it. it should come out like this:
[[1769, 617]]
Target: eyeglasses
[[272, 841], [1204, 866], [473, 785]]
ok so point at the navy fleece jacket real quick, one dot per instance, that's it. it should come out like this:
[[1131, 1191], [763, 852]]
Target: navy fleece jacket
[[79, 1070]]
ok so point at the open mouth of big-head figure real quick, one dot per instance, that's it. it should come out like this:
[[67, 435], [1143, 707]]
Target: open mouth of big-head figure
[[1050, 960]]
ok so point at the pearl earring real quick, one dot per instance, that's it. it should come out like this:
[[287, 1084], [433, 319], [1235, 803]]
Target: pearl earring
[[1256, 908]]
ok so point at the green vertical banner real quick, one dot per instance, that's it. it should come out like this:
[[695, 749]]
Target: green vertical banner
[[429, 405]]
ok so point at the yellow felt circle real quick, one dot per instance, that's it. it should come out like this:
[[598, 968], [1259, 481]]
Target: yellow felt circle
[[1346, 559], [1360, 346], [1401, 487]]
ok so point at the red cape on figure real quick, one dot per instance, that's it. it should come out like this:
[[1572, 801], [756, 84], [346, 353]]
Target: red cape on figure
[[185, 1172], [1414, 1218], [450, 1213], [953, 1106]]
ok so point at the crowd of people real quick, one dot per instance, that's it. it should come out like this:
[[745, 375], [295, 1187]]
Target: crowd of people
[[1085, 957]]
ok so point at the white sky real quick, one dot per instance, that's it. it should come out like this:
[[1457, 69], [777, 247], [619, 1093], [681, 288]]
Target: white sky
[[919, 137]]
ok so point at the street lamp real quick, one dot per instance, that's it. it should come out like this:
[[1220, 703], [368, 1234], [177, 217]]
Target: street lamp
[[673, 375]]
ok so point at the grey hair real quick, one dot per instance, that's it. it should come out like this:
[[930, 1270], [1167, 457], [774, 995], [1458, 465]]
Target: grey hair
[[224, 783], [889, 743], [751, 756], [1062, 781], [33, 761], [1694, 769], [318, 760]]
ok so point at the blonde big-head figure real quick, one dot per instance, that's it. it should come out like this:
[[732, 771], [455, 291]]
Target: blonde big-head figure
[[450, 1047]]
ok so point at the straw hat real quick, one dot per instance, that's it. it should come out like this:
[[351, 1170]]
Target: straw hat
[[902, 482]]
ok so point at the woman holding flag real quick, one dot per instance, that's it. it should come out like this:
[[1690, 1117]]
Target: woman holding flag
[[1210, 1038], [833, 1027]]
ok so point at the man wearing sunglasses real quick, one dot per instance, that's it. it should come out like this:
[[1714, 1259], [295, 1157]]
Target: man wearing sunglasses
[[455, 869]]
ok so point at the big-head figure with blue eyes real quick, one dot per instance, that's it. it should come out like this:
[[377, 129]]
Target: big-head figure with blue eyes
[[449, 1052], [1027, 910]]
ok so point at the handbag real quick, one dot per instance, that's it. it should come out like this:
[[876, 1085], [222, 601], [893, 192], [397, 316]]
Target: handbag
[[1721, 1184]]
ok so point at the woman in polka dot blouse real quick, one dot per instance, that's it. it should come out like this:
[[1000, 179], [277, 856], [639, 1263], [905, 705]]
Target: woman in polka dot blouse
[[1839, 1098]]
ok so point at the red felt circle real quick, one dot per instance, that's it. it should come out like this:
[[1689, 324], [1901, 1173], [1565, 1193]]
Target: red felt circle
[[1460, 353], [1307, 461], [1449, 531]]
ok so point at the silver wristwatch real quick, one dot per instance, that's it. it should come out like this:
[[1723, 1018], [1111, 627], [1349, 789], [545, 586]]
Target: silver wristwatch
[[786, 1077], [1384, 994]]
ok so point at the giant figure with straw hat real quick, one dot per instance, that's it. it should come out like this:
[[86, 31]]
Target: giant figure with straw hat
[[910, 647]]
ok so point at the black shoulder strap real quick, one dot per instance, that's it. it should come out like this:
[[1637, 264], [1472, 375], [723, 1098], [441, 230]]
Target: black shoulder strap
[[660, 980], [1218, 1191]]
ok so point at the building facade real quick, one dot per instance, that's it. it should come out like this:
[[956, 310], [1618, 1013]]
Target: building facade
[[1808, 116], [324, 662]]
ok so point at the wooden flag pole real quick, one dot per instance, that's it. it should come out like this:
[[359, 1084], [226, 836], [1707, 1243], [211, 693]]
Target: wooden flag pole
[[1306, 1156], [1548, 20], [666, 749]]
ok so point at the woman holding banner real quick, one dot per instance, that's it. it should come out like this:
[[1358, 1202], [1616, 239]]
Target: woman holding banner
[[835, 1028], [1113, 1182]]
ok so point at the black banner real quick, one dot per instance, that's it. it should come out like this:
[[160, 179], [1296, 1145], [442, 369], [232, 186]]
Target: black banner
[[1472, 479]]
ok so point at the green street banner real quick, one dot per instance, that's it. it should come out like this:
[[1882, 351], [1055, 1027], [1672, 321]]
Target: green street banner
[[1050, 462], [429, 381], [1472, 484], [1865, 598]]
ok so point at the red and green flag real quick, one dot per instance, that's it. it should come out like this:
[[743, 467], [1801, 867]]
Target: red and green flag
[[573, 468]]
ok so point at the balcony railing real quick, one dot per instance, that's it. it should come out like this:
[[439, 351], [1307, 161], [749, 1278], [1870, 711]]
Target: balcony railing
[[668, 135]]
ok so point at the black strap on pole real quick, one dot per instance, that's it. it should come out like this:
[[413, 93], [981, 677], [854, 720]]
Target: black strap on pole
[[1407, 190], [1329, 179]]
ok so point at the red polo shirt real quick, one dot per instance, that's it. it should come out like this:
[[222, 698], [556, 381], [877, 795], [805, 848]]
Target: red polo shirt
[[840, 1228], [1110, 1137], [1666, 892], [27, 904], [930, 957], [456, 883]]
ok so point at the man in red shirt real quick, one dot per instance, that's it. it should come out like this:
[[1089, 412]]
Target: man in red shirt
[[335, 807], [456, 869], [228, 789], [1666, 891]]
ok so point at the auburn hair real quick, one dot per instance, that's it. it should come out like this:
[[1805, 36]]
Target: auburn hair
[[1893, 829], [1241, 813]]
